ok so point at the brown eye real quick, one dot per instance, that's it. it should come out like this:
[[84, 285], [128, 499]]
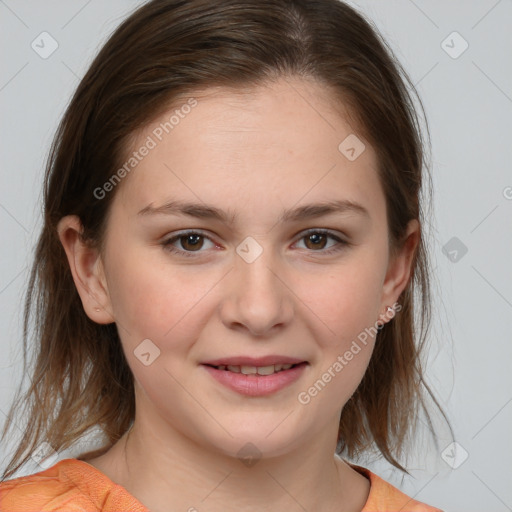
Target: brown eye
[[191, 242], [187, 244], [316, 241]]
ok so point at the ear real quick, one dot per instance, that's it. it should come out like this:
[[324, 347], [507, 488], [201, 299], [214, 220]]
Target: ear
[[399, 269], [87, 270]]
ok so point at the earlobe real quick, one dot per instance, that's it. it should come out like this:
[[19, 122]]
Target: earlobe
[[400, 267], [87, 270]]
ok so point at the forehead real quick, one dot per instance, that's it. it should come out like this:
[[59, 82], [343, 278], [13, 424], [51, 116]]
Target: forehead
[[272, 143]]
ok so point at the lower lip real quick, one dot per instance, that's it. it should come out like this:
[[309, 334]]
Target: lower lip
[[257, 385]]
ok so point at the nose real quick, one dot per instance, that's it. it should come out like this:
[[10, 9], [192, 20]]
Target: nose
[[258, 300]]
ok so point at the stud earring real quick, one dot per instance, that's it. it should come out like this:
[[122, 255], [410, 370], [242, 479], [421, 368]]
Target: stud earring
[[381, 325]]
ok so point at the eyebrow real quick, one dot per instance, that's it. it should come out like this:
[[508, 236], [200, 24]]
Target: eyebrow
[[205, 211]]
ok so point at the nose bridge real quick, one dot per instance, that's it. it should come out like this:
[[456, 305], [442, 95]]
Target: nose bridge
[[256, 266], [258, 299]]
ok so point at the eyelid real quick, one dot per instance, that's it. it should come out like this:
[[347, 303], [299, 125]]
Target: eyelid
[[324, 231], [341, 242], [167, 242]]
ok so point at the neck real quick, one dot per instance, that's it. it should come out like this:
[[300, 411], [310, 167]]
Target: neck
[[159, 470]]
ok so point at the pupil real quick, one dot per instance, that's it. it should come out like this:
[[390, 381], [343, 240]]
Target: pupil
[[192, 240], [317, 239]]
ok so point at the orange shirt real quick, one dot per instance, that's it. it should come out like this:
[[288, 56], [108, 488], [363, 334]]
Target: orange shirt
[[72, 485]]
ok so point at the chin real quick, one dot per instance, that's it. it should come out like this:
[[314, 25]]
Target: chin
[[267, 438]]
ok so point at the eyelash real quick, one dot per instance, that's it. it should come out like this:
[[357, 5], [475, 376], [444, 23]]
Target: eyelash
[[167, 244]]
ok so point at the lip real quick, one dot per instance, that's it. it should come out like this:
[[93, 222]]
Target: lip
[[254, 361], [256, 385]]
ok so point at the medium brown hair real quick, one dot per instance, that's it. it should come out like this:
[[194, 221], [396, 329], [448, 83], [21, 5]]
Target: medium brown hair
[[164, 50]]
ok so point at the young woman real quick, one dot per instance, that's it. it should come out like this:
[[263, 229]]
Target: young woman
[[230, 268]]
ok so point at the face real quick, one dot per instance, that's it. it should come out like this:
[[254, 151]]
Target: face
[[253, 277]]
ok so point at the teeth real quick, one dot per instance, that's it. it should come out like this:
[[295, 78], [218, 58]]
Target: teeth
[[253, 370], [266, 370]]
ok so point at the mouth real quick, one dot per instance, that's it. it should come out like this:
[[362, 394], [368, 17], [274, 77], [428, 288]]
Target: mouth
[[256, 370], [256, 377]]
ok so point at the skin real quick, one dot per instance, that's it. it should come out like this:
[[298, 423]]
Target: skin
[[255, 154]]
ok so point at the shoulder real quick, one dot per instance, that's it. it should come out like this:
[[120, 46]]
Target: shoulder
[[47, 490], [384, 497], [70, 485]]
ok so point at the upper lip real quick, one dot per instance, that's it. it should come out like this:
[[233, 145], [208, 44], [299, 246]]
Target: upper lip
[[253, 361]]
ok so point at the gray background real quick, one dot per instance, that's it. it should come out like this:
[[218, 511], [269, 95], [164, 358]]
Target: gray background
[[468, 100]]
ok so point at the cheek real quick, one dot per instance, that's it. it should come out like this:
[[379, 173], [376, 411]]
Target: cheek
[[346, 300], [141, 297], [155, 300], [348, 305]]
